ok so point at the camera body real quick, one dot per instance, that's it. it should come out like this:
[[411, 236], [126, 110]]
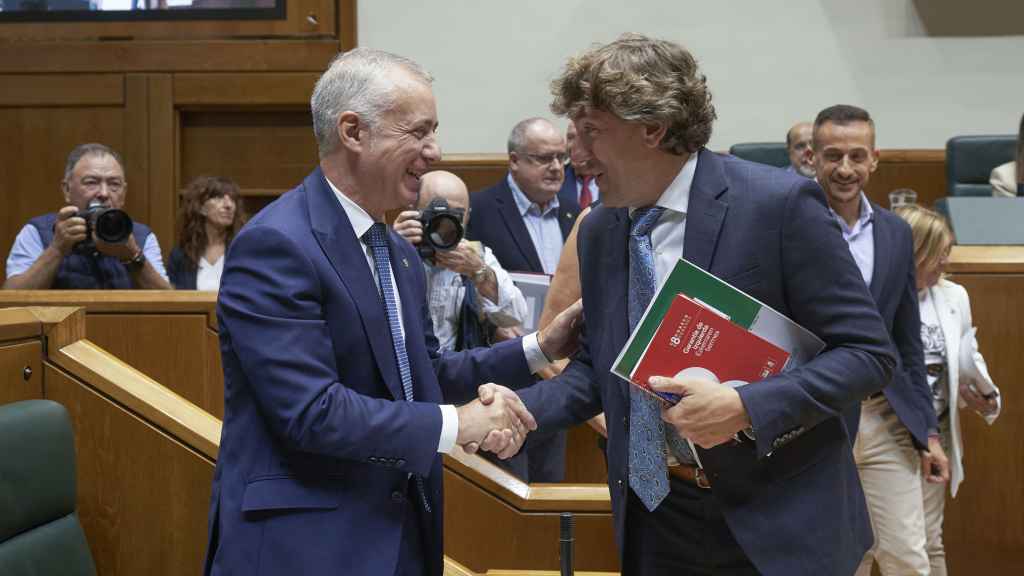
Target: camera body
[[110, 225], [442, 228]]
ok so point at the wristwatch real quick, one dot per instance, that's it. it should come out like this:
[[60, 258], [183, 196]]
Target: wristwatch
[[135, 263], [481, 274]]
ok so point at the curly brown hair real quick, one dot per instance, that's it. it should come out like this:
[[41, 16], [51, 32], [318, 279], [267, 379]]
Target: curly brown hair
[[191, 221], [643, 80]]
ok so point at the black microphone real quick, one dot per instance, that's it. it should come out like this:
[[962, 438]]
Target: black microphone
[[566, 542]]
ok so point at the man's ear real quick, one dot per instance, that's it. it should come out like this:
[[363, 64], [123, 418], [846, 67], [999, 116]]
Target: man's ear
[[654, 134], [875, 155], [67, 192], [352, 131]]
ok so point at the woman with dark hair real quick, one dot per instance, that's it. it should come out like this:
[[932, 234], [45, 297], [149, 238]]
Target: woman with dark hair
[[1008, 179], [210, 216]]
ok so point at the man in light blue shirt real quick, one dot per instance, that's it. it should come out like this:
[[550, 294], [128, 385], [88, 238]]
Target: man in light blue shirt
[[897, 445], [525, 217], [50, 251]]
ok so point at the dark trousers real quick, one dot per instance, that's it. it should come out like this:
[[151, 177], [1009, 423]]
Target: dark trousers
[[686, 535]]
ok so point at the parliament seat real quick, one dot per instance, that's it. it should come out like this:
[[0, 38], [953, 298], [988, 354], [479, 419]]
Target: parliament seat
[[771, 153], [39, 528], [970, 160]]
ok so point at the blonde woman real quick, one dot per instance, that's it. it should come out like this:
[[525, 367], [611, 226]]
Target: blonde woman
[[957, 372]]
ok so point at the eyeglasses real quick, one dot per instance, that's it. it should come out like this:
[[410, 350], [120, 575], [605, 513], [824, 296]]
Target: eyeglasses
[[114, 185], [545, 159]]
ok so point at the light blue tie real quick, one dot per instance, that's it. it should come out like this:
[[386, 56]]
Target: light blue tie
[[376, 239], [648, 469]]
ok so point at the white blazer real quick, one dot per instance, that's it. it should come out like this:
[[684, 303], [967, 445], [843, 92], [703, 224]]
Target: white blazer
[[1004, 180], [962, 361]]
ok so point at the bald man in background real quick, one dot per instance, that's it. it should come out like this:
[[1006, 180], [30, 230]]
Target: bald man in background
[[798, 146], [468, 292]]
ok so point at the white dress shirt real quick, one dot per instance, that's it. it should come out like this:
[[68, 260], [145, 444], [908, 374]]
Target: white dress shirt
[[445, 294], [361, 222], [669, 231]]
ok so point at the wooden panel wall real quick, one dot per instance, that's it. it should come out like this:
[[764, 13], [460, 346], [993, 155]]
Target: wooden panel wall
[[147, 89], [137, 487], [984, 527]]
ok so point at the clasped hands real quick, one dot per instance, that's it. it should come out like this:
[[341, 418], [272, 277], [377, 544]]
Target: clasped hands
[[497, 422]]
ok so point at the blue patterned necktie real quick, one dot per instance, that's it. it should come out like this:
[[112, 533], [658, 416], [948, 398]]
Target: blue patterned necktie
[[376, 239], [648, 467]]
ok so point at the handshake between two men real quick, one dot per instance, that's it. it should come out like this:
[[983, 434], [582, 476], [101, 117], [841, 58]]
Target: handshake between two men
[[498, 421]]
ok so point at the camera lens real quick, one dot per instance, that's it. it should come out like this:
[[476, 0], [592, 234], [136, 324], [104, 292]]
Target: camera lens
[[113, 226], [444, 231]]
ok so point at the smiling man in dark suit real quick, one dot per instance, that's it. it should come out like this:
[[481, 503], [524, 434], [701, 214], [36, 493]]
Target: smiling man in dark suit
[[897, 434], [785, 499], [337, 403]]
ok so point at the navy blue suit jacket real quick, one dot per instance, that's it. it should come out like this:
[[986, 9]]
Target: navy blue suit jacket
[[497, 223], [895, 292], [792, 498], [316, 451]]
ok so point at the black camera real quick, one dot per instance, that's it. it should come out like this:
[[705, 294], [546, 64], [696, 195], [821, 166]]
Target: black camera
[[442, 228], [110, 225]]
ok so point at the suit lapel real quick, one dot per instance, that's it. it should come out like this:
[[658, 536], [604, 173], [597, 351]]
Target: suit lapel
[[337, 239], [880, 269], [615, 255], [516, 227], [706, 212], [949, 321], [568, 203]]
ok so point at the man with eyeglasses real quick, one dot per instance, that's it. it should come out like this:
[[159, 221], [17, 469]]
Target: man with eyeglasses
[[48, 252], [524, 218]]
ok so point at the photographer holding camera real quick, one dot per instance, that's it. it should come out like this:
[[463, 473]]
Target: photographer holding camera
[[91, 243], [467, 290]]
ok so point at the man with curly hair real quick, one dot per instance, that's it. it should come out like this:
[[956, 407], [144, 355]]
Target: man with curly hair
[[777, 492]]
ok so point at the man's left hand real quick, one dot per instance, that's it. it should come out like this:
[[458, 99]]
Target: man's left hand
[[561, 338], [708, 414], [463, 259], [123, 251], [934, 464]]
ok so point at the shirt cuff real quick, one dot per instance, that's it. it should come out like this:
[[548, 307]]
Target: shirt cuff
[[449, 428], [535, 357]]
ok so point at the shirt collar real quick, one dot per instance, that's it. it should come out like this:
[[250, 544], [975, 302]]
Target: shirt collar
[[524, 203], [360, 219], [867, 214], [677, 196]]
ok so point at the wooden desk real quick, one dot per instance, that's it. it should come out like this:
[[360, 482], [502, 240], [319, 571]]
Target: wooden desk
[[171, 336]]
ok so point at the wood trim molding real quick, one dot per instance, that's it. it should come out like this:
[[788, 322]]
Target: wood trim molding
[[528, 497], [120, 301], [44, 90], [244, 90], [18, 324], [261, 55], [61, 325], [986, 260], [138, 393], [453, 568]]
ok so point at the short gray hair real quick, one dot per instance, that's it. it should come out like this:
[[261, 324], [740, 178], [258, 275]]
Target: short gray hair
[[89, 149], [517, 138], [355, 81]]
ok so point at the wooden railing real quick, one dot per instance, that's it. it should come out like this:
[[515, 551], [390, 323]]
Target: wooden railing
[[146, 457]]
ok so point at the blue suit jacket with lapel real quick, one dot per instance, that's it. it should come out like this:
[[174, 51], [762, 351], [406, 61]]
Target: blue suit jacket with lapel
[[895, 292], [315, 451], [792, 499], [497, 223]]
